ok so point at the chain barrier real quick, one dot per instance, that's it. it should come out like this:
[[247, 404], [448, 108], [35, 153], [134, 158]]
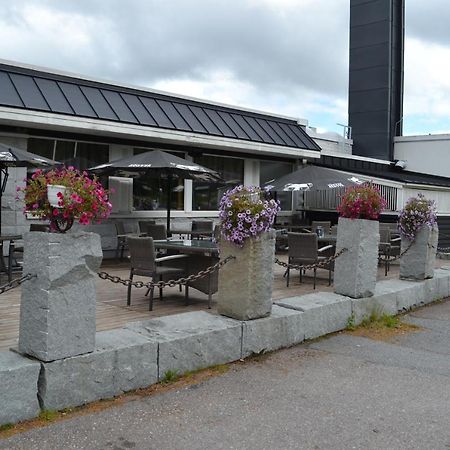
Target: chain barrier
[[163, 284], [318, 265], [397, 257], [16, 283]]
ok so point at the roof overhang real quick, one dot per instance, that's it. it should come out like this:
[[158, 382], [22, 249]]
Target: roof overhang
[[98, 127]]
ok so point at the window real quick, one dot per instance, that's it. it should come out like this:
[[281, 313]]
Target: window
[[207, 196], [81, 155], [41, 147], [150, 192], [89, 155], [271, 171]]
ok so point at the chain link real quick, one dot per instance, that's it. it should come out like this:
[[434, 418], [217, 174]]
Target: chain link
[[317, 265], [163, 284], [16, 283], [397, 257]]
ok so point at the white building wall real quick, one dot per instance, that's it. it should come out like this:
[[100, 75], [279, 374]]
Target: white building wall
[[425, 154]]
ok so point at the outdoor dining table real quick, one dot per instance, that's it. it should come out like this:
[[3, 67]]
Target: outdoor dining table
[[200, 255], [11, 238], [192, 233], [188, 246]]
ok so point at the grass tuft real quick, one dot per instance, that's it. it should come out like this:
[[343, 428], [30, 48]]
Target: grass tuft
[[170, 377]]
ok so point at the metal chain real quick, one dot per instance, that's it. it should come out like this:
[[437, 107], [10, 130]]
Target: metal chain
[[163, 284], [317, 265], [395, 258], [16, 283]]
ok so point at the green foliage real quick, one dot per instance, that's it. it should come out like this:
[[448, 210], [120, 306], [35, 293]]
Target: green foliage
[[48, 415], [170, 376], [6, 427], [380, 320], [351, 322]]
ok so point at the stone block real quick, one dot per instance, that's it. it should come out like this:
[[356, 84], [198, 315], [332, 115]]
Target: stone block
[[193, 340], [18, 388], [283, 328], [355, 272], [122, 361], [419, 260], [324, 312], [438, 287], [57, 314], [245, 283], [384, 301]]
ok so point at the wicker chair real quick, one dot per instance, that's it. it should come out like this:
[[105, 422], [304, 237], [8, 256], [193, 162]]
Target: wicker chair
[[389, 246], [303, 249], [122, 235], [143, 224], [144, 263], [157, 232], [202, 226]]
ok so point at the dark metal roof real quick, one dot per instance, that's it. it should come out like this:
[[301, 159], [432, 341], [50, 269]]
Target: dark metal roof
[[386, 171], [32, 89]]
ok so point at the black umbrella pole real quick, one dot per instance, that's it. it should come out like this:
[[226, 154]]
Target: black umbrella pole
[[169, 201]]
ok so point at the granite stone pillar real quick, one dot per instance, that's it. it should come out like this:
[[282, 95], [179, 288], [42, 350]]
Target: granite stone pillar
[[419, 259], [245, 283], [355, 271], [57, 313]]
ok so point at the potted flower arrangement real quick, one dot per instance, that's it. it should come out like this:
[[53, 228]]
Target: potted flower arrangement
[[358, 232], [65, 265], [417, 223], [245, 284], [64, 195]]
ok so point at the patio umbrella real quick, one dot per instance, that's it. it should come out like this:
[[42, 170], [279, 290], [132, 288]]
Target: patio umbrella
[[15, 157], [156, 163], [310, 177]]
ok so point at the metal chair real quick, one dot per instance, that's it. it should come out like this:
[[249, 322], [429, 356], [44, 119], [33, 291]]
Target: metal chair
[[303, 250], [145, 263]]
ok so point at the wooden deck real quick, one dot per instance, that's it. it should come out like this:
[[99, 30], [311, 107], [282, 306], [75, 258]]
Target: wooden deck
[[112, 311]]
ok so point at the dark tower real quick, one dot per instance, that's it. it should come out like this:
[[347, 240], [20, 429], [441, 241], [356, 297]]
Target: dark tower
[[375, 106]]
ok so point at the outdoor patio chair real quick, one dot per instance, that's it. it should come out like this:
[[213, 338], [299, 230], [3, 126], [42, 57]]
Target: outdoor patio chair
[[389, 247], [145, 263], [202, 226], [122, 236], [157, 232], [143, 224], [303, 250]]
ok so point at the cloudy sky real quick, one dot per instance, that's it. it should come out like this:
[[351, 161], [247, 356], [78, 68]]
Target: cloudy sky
[[284, 56]]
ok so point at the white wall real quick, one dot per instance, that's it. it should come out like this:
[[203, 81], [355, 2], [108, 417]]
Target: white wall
[[425, 154]]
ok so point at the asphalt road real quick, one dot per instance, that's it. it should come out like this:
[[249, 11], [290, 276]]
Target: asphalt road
[[344, 392]]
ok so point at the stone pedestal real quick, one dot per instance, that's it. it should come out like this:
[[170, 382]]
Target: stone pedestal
[[355, 272], [419, 260], [57, 313], [245, 283]]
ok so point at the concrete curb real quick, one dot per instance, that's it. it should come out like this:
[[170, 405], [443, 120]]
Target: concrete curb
[[141, 353]]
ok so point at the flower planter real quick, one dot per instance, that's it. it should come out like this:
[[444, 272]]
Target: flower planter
[[419, 259], [52, 194], [245, 283], [57, 312], [355, 272]]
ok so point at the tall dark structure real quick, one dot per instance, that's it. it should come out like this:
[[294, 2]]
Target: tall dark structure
[[375, 106]]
